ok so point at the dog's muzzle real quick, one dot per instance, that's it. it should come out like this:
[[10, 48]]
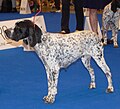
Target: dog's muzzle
[[7, 33]]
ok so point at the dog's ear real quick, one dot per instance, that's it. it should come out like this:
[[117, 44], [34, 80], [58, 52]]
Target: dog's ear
[[34, 35], [114, 6], [31, 37], [38, 34]]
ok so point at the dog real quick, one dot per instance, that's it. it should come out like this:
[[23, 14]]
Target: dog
[[58, 51], [110, 20]]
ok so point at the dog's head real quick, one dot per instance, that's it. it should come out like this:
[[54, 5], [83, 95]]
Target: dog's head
[[115, 5], [25, 29]]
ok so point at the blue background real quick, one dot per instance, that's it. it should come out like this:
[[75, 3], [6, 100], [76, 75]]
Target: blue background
[[23, 81]]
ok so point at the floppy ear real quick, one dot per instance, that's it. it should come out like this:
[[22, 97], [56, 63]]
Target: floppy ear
[[34, 35], [31, 37], [38, 34], [114, 6]]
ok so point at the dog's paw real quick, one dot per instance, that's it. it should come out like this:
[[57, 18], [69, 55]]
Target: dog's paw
[[49, 99], [92, 85], [116, 46], [110, 90], [104, 43]]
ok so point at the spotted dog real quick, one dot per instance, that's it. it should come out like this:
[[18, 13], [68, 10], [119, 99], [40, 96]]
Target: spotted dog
[[60, 50], [110, 19]]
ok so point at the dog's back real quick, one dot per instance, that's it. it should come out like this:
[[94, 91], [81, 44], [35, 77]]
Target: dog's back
[[70, 47]]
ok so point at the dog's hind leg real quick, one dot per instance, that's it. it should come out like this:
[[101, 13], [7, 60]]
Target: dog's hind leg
[[52, 76], [99, 58], [86, 61]]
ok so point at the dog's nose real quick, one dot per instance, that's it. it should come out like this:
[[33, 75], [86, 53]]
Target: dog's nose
[[7, 33]]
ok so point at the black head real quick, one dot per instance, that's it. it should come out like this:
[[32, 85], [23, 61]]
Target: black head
[[25, 29], [115, 5]]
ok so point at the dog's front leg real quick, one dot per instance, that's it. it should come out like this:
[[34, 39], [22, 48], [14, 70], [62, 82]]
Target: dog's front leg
[[52, 76]]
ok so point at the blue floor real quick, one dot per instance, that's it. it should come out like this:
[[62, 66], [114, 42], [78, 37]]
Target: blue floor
[[23, 80]]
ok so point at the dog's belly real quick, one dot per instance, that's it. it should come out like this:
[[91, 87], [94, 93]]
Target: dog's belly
[[68, 58], [57, 55], [61, 56]]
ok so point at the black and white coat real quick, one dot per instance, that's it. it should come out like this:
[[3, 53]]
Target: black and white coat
[[60, 50]]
